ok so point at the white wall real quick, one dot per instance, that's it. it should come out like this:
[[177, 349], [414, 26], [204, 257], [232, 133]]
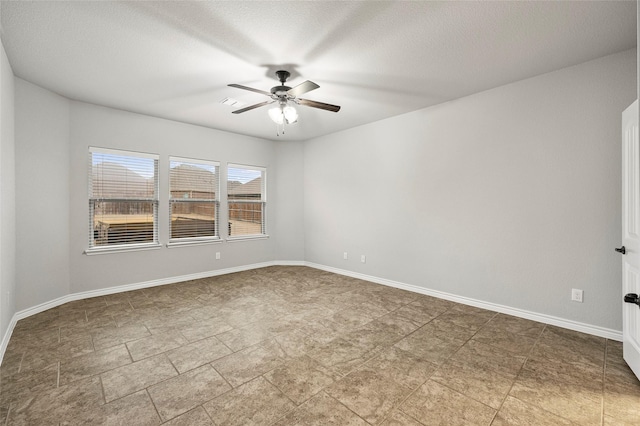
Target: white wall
[[289, 191], [42, 195], [7, 195], [510, 196]]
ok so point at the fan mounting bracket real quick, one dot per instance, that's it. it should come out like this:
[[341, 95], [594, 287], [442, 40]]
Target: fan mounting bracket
[[283, 75]]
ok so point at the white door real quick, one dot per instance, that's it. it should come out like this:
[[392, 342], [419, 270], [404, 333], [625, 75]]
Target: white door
[[631, 238]]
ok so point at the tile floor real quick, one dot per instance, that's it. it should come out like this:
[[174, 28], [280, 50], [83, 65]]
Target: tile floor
[[299, 346]]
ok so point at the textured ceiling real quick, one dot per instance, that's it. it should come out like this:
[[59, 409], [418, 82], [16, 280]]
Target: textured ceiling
[[375, 59]]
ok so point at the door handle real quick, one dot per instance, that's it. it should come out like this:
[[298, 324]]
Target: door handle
[[632, 298], [621, 250]]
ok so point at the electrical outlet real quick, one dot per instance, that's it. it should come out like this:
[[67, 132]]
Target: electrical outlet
[[576, 295], [363, 258], [217, 255], [345, 256]]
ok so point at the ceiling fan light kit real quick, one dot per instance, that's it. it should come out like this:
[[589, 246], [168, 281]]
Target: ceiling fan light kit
[[285, 113]]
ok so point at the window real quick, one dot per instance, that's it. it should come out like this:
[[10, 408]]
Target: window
[[247, 200], [123, 199], [193, 202]]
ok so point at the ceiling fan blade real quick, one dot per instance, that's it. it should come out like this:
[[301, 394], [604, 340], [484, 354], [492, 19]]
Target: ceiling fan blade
[[250, 107], [239, 86], [321, 105], [301, 88]]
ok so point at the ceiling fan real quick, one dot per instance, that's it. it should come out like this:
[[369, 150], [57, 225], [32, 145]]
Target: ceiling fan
[[285, 95]]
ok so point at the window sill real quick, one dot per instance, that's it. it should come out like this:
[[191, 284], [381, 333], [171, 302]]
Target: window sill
[[106, 250], [247, 237], [174, 244]]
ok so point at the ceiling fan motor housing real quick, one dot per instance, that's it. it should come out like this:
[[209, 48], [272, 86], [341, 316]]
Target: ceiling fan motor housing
[[280, 91]]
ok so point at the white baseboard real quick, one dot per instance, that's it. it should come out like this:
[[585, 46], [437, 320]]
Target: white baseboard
[[6, 337], [521, 313], [543, 318]]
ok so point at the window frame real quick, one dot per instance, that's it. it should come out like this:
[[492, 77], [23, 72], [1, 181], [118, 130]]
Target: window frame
[[263, 202], [185, 241], [92, 201]]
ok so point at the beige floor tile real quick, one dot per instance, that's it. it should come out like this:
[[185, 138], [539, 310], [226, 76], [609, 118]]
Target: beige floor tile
[[379, 385], [249, 363], [34, 338], [198, 353], [198, 330], [138, 316], [301, 378], [86, 329], [257, 402], [398, 418], [439, 405], [350, 319], [581, 375], [109, 337], [621, 394], [570, 346], [517, 413], [323, 333], [285, 324], [65, 404], [11, 364], [375, 334], [403, 367], [468, 320], [196, 417], [155, 344], [485, 386], [570, 400], [36, 360], [445, 329], [369, 394], [107, 310], [517, 344], [432, 348], [417, 314], [22, 385], [573, 354], [394, 322], [135, 409], [321, 410], [160, 324], [241, 338], [343, 356], [297, 343], [244, 316], [130, 378], [487, 357], [610, 421], [186, 391], [92, 364], [521, 326], [431, 304]]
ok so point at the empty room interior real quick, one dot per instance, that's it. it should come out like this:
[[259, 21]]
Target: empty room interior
[[319, 213]]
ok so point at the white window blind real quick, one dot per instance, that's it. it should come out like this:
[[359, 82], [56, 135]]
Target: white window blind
[[123, 198], [246, 199], [194, 199]]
